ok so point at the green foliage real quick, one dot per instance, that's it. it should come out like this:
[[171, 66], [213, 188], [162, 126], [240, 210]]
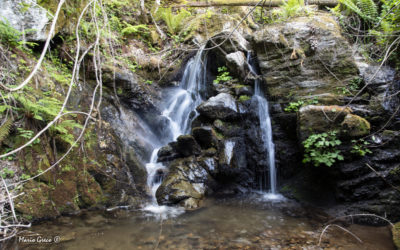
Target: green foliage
[[25, 176], [173, 21], [27, 134], [223, 75], [295, 106], [135, 30], [288, 9], [381, 22], [9, 35], [5, 129], [360, 147], [366, 9], [149, 82], [63, 130], [292, 8], [7, 173], [351, 88], [45, 109], [322, 149]]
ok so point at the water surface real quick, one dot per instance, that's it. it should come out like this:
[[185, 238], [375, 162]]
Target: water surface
[[251, 222]]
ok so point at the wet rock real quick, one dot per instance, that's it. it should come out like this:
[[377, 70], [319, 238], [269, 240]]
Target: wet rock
[[243, 90], [233, 161], [319, 119], [376, 76], [187, 145], [205, 136], [355, 126], [310, 49], [223, 106], [167, 153], [210, 164], [236, 62], [186, 180]]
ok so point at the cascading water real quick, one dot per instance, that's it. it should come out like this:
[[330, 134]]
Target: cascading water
[[180, 111], [266, 129]]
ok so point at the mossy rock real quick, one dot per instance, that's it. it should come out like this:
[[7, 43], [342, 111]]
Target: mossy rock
[[355, 126], [396, 235], [36, 202]]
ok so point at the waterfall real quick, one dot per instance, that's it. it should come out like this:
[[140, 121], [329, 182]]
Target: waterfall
[[266, 129], [180, 110]]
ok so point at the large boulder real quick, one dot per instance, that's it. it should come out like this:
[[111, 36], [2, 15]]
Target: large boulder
[[305, 55], [33, 18], [205, 136], [318, 119], [223, 106], [186, 146], [185, 184]]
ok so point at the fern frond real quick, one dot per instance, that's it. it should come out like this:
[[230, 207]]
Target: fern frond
[[174, 22], [369, 8], [5, 129], [366, 9]]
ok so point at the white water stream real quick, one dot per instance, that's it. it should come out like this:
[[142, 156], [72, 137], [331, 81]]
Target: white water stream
[[179, 111], [266, 131]]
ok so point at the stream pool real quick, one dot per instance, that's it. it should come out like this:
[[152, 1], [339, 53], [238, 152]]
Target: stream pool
[[231, 223]]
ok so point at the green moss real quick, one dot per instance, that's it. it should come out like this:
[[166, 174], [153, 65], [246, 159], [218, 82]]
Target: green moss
[[244, 98]]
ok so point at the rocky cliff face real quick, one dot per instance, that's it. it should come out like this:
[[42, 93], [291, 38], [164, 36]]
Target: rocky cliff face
[[308, 60], [305, 62]]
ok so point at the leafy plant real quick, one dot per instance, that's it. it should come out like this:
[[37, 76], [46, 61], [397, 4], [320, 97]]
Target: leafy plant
[[5, 129], [27, 134], [25, 176], [223, 75], [360, 147], [322, 149], [9, 35], [295, 106], [173, 21], [7, 173], [366, 9]]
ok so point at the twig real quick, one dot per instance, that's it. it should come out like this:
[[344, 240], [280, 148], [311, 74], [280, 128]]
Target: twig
[[344, 229], [383, 178]]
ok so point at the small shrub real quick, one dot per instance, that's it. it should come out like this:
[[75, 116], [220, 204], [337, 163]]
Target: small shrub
[[295, 106], [173, 21], [223, 75], [360, 147], [9, 35], [322, 149]]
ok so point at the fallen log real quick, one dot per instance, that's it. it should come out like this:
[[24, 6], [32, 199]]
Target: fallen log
[[266, 3]]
